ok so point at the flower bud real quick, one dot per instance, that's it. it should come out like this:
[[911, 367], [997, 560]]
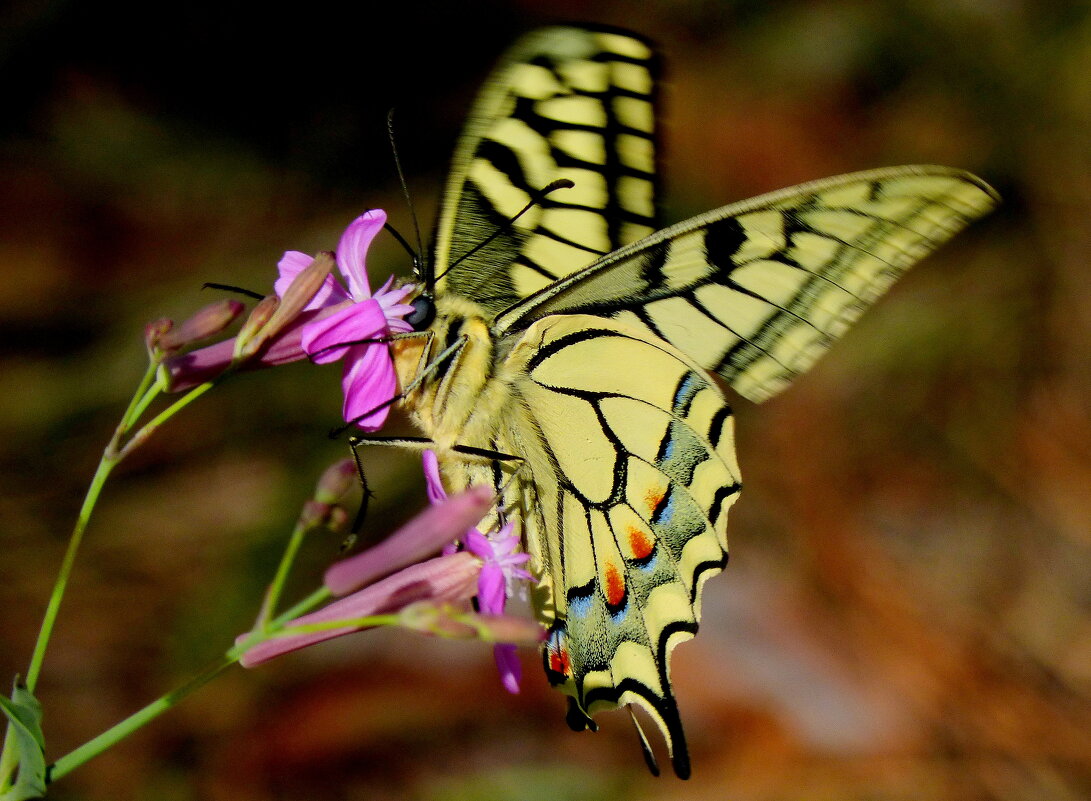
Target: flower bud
[[155, 331], [314, 514], [336, 482], [431, 619], [206, 322], [253, 334], [306, 285], [338, 522], [295, 299], [423, 535], [510, 629]]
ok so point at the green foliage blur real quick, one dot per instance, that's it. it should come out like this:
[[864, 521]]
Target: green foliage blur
[[906, 612]]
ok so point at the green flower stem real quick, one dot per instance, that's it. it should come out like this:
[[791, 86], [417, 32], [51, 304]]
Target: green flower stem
[[150, 428], [319, 596], [120, 731], [109, 460], [7, 758], [145, 393], [112, 736], [272, 595], [148, 393], [93, 491], [140, 400], [367, 622]]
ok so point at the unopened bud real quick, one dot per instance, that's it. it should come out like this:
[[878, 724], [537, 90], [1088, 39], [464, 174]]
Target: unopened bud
[[273, 314], [155, 331], [305, 286], [336, 482], [206, 322], [445, 620], [299, 293], [338, 523], [253, 334], [314, 514]]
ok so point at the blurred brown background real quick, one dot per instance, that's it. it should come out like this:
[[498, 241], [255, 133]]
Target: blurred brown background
[[906, 614]]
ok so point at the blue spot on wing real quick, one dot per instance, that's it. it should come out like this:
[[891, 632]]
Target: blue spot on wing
[[664, 511], [580, 605], [687, 389], [648, 563]]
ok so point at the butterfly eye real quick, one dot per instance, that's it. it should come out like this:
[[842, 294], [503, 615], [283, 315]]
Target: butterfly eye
[[424, 312]]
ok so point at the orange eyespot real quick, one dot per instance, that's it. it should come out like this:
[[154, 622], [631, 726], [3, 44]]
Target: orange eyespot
[[639, 543], [559, 663], [615, 586]]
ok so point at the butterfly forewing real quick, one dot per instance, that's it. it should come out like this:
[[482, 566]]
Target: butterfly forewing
[[564, 103], [757, 291]]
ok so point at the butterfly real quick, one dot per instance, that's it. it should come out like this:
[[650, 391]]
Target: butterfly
[[569, 345]]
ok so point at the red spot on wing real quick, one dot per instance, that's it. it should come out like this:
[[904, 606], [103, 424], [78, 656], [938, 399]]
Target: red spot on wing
[[640, 543], [559, 662], [615, 586]]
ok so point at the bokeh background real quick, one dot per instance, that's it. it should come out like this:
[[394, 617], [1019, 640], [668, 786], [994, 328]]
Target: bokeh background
[[906, 614]]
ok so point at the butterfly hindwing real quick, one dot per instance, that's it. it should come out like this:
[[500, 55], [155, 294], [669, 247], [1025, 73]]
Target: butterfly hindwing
[[641, 443], [564, 103], [758, 290]]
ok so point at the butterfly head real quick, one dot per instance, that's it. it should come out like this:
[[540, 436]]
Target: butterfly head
[[424, 311]]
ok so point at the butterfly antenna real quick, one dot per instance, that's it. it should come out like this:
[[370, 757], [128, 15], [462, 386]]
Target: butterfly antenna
[[560, 183], [238, 290], [401, 241], [418, 255]]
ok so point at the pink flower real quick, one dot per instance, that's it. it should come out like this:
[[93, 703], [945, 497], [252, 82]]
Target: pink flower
[[501, 566], [336, 323], [379, 582], [368, 379]]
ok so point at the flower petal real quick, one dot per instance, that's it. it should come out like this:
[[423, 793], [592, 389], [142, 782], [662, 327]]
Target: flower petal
[[368, 382], [291, 264], [511, 670], [329, 338], [352, 251], [445, 579], [436, 492], [421, 536], [193, 368], [491, 593]]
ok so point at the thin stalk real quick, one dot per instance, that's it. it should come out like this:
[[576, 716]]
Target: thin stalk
[[115, 734], [141, 404], [120, 731], [106, 464], [151, 427], [321, 595], [46, 631], [140, 400], [276, 587], [145, 393]]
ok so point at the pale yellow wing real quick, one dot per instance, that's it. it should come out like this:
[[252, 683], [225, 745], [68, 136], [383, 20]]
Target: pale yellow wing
[[564, 102], [757, 291], [630, 473]]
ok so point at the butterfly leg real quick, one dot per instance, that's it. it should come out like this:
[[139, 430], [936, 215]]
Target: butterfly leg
[[420, 444]]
